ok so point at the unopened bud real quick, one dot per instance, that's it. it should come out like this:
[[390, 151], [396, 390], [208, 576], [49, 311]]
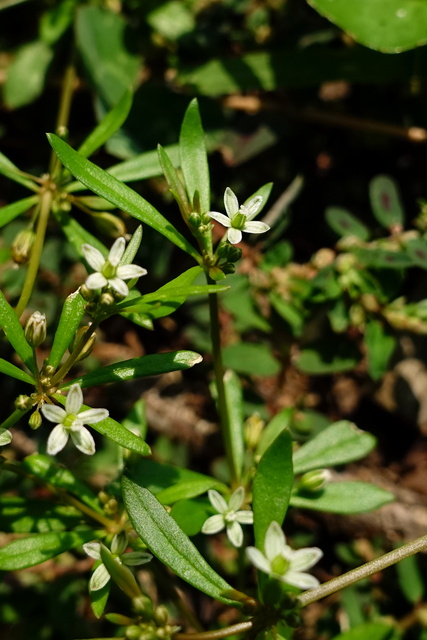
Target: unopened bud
[[133, 632], [22, 245], [86, 293], [194, 220], [252, 430], [216, 273], [109, 224], [23, 403], [315, 480], [106, 300], [35, 329], [161, 615], [87, 349], [35, 420], [143, 606]]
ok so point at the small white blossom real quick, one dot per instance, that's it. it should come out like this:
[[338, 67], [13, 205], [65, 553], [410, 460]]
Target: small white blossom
[[282, 562], [5, 437], [100, 576], [70, 422], [229, 516], [109, 271], [239, 218]]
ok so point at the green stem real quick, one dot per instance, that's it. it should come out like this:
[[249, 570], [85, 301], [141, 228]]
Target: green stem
[[13, 418], [240, 627], [63, 114], [366, 570], [62, 372]]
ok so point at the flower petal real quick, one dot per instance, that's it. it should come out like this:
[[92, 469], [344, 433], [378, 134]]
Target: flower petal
[[217, 501], [213, 524], [220, 217], [53, 413], [305, 558], [128, 271], [245, 517], [136, 557], [92, 416], [237, 498], [93, 257], [96, 281], [275, 540], [99, 578], [119, 286], [251, 208], [74, 401], [231, 202], [117, 251], [235, 534], [234, 236], [255, 226], [83, 440], [93, 549], [57, 440], [299, 579], [258, 559], [5, 437]]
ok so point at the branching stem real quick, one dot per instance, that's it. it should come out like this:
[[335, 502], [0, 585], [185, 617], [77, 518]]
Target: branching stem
[[240, 627]]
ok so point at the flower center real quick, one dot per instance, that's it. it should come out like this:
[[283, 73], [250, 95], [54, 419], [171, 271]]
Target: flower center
[[230, 517], [69, 420], [108, 270], [280, 565], [239, 220]]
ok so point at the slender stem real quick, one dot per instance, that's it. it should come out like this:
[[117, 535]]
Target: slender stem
[[368, 569], [240, 627], [62, 372], [63, 113], [13, 418]]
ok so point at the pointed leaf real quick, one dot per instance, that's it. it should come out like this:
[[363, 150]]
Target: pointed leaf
[[385, 201], [344, 497], [279, 423], [108, 187], [194, 159], [144, 166], [380, 344], [345, 224], [264, 192], [9, 369], [174, 183], [132, 246], [72, 313], [168, 542], [15, 334], [272, 486], [13, 210], [8, 169]]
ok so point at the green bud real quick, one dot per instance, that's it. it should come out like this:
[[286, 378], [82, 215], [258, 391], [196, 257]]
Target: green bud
[[194, 220], [133, 632], [87, 349], [161, 615], [228, 268], [216, 273], [314, 481], [22, 246], [293, 619], [234, 253], [35, 420], [87, 294], [106, 300], [252, 430], [118, 618], [142, 605], [23, 403], [35, 329]]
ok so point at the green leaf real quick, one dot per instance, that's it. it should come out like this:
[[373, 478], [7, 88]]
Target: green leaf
[[339, 443], [251, 358], [190, 515], [371, 630], [410, 579], [390, 26], [416, 249], [108, 125], [345, 224], [279, 423], [55, 22], [380, 345], [71, 316], [234, 404], [115, 431], [121, 574], [77, 235], [11, 211], [108, 187], [132, 247], [8, 169], [15, 334], [151, 365], [385, 201], [26, 515], [383, 259], [194, 158], [328, 356], [27, 73], [27, 552], [272, 486], [172, 19], [9, 369], [47, 469], [344, 497], [144, 166], [169, 483], [98, 602], [159, 531], [264, 192], [174, 183]]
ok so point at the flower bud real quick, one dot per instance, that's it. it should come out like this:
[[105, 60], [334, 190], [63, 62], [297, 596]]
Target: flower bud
[[87, 294], [216, 273], [35, 420], [315, 480], [35, 329], [23, 403], [22, 245], [161, 615], [106, 300], [194, 220], [87, 349], [133, 632]]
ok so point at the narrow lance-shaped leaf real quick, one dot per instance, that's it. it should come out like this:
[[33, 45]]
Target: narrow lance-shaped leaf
[[272, 486], [174, 183], [108, 187], [151, 365], [13, 210], [8, 169], [132, 246], [168, 542], [15, 334], [344, 498], [380, 344], [194, 159], [9, 369], [72, 313], [234, 402]]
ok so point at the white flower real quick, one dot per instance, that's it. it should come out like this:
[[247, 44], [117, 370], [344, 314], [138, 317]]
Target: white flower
[[282, 562], [229, 516], [109, 271], [100, 576], [239, 219], [70, 422], [5, 437]]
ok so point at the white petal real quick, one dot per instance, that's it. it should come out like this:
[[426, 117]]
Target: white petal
[[92, 416], [119, 286], [136, 557], [119, 543], [83, 440], [245, 517], [96, 281], [275, 541], [93, 550], [99, 578], [217, 501], [301, 580], [220, 217], [117, 251], [234, 236], [74, 401], [93, 257], [213, 524], [256, 226], [236, 499], [258, 559], [305, 558], [57, 440], [231, 202], [235, 534], [251, 208], [5, 437], [53, 413], [128, 271]]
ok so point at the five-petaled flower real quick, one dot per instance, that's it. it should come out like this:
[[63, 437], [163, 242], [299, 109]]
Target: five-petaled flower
[[70, 422], [282, 562], [101, 576], [228, 516], [239, 218], [109, 271]]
